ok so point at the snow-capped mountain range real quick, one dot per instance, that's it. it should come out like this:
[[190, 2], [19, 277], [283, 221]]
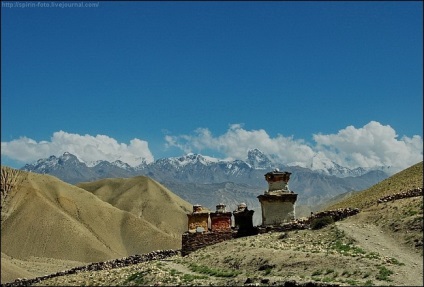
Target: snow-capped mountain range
[[323, 165], [256, 160], [205, 180]]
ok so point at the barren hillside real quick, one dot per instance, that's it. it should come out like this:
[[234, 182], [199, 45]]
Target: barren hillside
[[43, 217], [145, 198]]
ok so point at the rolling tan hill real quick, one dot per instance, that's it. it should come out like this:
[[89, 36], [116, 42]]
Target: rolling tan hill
[[45, 218], [144, 198]]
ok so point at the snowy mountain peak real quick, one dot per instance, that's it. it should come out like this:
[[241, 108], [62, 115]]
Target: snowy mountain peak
[[50, 159], [121, 164], [93, 163], [322, 164], [192, 158], [69, 158], [257, 159], [43, 165], [51, 163]]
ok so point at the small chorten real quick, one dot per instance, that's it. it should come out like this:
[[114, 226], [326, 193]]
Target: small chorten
[[220, 219], [198, 219], [243, 220], [278, 201]]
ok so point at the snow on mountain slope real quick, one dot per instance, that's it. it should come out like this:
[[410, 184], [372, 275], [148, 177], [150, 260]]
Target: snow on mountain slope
[[193, 176], [256, 160]]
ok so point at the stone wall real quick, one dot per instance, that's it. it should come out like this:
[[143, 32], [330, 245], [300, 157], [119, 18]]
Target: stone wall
[[194, 241], [410, 193], [337, 214], [298, 224]]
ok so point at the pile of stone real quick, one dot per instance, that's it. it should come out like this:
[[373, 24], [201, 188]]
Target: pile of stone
[[337, 214], [194, 241], [410, 193], [305, 223], [105, 265], [296, 224]]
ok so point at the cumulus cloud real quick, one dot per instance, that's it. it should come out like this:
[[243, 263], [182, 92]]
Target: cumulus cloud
[[237, 141], [86, 147], [371, 146]]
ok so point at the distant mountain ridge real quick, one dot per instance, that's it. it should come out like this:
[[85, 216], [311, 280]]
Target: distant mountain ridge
[[208, 181], [256, 160]]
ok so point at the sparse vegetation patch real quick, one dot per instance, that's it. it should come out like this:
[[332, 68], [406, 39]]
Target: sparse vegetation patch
[[212, 271], [384, 273], [318, 223], [137, 278]]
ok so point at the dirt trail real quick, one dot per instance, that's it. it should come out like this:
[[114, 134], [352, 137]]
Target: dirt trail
[[372, 239], [171, 264], [179, 267]]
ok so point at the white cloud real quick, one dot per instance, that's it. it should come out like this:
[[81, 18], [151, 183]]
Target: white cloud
[[86, 147], [237, 141], [370, 146]]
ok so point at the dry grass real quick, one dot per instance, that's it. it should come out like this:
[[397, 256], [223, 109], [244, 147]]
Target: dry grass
[[405, 180]]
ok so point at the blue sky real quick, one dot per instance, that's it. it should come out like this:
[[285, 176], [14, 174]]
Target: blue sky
[[154, 79]]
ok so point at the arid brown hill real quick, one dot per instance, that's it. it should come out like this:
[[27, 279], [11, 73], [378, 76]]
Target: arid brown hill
[[145, 198], [43, 217]]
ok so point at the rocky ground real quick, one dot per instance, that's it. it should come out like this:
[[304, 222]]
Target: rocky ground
[[349, 252]]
